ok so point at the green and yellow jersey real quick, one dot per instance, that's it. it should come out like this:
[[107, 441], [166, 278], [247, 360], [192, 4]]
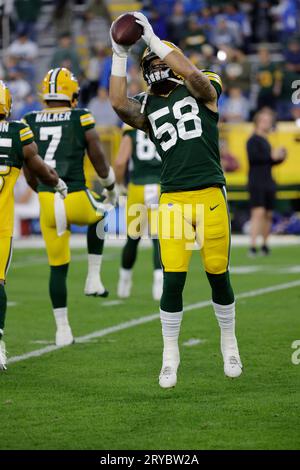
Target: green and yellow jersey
[[13, 136], [60, 136], [144, 163], [266, 77], [185, 134]]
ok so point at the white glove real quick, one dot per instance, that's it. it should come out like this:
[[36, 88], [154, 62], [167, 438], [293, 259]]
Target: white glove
[[61, 188], [120, 51], [156, 45], [111, 196], [148, 30]]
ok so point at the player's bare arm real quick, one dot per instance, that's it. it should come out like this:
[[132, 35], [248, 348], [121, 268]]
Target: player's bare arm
[[101, 165], [37, 168], [128, 109], [197, 82], [31, 179], [122, 159], [95, 153]]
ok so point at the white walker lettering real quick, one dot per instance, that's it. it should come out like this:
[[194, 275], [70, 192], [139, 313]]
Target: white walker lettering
[[53, 117]]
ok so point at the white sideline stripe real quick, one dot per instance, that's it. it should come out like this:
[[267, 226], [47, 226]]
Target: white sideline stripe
[[147, 319]]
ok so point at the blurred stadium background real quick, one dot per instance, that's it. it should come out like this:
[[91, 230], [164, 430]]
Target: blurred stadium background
[[254, 46]]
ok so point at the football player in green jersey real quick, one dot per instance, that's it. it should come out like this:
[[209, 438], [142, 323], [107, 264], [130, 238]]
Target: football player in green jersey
[[138, 153], [180, 114], [17, 150], [64, 134]]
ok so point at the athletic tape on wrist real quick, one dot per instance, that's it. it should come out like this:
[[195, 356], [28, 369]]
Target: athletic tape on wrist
[[159, 48], [110, 179], [119, 65]]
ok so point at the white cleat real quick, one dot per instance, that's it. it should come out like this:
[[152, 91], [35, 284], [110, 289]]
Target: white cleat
[[94, 287], [124, 288], [168, 376], [233, 367], [3, 359], [64, 336], [157, 286]]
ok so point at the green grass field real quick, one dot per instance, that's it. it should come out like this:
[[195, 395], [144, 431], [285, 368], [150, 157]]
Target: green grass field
[[104, 393]]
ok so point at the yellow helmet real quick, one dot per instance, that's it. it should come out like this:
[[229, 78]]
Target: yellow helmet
[[159, 72], [60, 85], [5, 100]]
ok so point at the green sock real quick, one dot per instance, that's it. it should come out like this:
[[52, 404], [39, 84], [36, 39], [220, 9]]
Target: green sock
[[58, 285], [171, 300], [222, 292], [3, 306], [94, 243], [156, 254], [129, 253]]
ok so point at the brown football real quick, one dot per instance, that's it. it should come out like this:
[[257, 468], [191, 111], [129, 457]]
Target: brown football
[[125, 30]]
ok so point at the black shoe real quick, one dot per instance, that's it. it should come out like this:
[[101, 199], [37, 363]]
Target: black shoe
[[252, 253], [265, 250]]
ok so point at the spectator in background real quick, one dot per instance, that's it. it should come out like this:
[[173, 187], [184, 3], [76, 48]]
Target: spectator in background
[[288, 15], [237, 16], [176, 24], [226, 33], [96, 21], [30, 103], [25, 52], [237, 71], [262, 21], [27, 13], [102, 110], [194, 38], [158, 23], [269, 79], [19, 89], [23, 48], [207, 21], [284, 102], [262, 188], [292, 55], [66, 55], [237, 107], [95, 68], [62, 16]]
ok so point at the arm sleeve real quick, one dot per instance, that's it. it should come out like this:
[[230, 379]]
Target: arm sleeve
[[87, 120], [215, 80], [25, 134]]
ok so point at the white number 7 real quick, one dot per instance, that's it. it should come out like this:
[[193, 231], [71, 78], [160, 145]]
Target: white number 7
[[55, 132]]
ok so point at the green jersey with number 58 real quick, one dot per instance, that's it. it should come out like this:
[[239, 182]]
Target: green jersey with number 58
[[60, 136], [145, 162], [185, 134]]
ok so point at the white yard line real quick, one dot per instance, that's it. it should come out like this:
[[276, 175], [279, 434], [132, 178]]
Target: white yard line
[[193, 342], [149, 318], [111, 303]]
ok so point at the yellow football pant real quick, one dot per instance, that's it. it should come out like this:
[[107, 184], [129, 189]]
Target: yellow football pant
[[187, 216], [81, 209], [8, 178], [139, 214]]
